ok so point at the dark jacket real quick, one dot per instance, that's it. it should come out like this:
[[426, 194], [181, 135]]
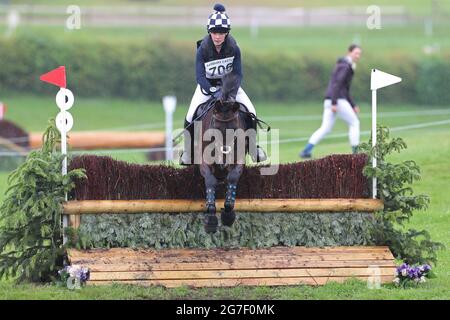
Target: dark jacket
[[211, 66], [339, 85]]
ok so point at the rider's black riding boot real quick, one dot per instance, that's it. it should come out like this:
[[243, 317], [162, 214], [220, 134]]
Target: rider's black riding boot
[[260, 153], [186, 156]]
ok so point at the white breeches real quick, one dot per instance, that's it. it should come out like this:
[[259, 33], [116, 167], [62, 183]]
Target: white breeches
[[344, 111], [200, 98]]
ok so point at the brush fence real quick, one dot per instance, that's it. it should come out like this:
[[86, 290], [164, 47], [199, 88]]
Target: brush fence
[[310, 223]]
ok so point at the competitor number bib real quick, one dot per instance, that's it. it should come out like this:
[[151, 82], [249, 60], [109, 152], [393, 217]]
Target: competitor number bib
[[217, 68]]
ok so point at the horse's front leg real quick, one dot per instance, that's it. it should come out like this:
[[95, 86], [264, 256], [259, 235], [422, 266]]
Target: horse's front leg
[[210, 222], [228, 216]]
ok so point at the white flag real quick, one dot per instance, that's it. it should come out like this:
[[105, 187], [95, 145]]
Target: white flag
[[380, 79]]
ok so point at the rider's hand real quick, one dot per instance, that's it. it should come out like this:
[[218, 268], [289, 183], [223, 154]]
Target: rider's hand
[[356, 109], [334, 108], [218, 93]]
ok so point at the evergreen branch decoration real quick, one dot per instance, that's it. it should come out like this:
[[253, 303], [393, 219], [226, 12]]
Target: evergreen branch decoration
[[31, 246], [394, 182], [254, 230]]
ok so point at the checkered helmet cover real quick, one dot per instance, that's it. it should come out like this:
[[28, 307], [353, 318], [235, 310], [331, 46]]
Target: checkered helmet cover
[[218, 21]]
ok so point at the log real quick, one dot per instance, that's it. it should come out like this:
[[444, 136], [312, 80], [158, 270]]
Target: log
[[91, 140], [242, 205]]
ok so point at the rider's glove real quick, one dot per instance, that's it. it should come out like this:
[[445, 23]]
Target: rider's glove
[[216, 92]]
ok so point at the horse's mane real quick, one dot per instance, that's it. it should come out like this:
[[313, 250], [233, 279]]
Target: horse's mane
[[230, 85]]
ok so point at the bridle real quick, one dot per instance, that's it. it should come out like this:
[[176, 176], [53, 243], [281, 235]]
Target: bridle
[[226, 149]]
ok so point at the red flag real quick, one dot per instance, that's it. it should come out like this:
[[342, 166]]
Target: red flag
[[56, 77]]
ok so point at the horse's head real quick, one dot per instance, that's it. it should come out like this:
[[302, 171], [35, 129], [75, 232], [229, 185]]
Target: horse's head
[[226, 108]]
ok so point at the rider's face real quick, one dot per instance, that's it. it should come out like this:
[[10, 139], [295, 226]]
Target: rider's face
[[218, 38]]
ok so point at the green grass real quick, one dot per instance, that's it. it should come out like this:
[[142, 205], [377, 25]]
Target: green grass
[[429, 146]]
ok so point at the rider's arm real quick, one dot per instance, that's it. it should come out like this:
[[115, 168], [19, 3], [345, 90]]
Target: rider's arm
[[237, 65], [201, 73]]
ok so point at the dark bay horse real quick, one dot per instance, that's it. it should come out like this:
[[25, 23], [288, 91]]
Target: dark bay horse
[[225, 125]]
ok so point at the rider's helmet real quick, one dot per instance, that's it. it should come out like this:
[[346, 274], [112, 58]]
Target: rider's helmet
[[218, 21]]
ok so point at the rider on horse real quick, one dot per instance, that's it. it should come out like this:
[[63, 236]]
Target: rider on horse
[[217, 54]]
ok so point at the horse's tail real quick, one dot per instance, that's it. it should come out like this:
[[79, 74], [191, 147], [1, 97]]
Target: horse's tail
[[230, 86]]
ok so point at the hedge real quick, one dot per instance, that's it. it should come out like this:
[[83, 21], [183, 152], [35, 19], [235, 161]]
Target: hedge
[[255, 230], [334, 176], [153, 69]]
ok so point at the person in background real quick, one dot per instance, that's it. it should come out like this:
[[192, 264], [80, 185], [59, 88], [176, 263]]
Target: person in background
[[338, 102]]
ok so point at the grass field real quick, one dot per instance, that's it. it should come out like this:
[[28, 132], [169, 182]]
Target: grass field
[[426, 131]]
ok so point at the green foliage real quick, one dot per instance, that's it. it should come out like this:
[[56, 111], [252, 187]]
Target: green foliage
[[150, 70], [255, 230], [30, 217], [394, 182], [433, 82]]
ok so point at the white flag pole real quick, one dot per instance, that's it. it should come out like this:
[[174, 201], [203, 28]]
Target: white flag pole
[[378, 79], [64, 123], [374, 140]]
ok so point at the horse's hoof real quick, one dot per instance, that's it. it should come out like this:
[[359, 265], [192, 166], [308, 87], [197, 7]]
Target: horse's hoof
[[211, 222], [228, 217]]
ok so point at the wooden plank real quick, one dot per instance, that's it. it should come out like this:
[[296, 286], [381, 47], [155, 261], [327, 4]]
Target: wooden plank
[[240, 282], [240, 274], [208, 256], [212, 256], [234, 266], [221, 251], [242, 205], [249, 257], [91, 140]]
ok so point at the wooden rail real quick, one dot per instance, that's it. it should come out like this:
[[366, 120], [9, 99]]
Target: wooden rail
[[242, 205], [89, 140], [295, 206]]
